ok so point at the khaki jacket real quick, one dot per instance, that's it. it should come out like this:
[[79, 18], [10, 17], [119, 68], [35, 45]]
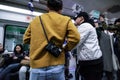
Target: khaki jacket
[[57, 28]]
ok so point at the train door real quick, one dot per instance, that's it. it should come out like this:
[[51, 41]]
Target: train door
[[13, 35], [12, 28]]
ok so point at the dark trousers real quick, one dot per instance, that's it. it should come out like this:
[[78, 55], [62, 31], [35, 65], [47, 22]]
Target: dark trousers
[[109, 75], [91, 72], [118, 75]]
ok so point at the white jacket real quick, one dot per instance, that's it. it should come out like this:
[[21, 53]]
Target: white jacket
[[88, 47]]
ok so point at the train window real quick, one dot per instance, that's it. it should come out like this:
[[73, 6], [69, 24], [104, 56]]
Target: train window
[[13, 36]]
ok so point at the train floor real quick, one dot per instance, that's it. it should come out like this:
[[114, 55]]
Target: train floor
[[73, 77], [72, 67]]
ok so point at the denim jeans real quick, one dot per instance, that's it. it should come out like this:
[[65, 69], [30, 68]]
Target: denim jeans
[[7, 70], [48, 73]]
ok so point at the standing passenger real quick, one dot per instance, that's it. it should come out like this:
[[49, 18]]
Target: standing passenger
[[89, 53], [105, 42], [45, 66], [117, 44]]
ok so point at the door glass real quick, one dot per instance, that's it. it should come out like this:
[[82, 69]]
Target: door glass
[[13, 36]]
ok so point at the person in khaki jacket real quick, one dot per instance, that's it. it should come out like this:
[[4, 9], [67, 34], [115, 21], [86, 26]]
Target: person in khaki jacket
[[45, 66]]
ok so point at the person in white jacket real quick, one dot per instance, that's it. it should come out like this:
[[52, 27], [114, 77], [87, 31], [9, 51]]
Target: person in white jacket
[[88, 50]]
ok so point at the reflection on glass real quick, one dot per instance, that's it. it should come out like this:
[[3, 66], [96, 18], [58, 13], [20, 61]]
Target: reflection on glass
[[13, 36]]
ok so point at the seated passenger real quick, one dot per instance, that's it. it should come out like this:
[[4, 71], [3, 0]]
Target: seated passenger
[[2, 51], [15, 64]]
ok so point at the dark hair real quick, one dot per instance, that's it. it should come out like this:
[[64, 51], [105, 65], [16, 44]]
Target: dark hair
[[55, 5], [20, 47], [91, 21], [101, 15], [86, 18], [84, 15], [117, 20]]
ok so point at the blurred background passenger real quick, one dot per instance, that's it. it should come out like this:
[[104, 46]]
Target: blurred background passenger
[[105, 46], [102, 21], [117, 43], [2, 52]]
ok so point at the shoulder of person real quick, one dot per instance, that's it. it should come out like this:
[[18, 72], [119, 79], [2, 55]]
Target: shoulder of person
[[37, 17], [5, 51], [66, 17], [86, 25]]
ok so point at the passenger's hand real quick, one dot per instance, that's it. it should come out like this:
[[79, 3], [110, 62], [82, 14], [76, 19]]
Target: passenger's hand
[[26, 57], [15, 57]]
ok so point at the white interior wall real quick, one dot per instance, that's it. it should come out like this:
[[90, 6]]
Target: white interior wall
[[1, 34]]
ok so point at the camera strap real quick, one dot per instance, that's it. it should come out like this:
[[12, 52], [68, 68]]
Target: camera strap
[[43, 29]]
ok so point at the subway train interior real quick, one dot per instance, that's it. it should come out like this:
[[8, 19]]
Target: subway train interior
[[15, 16]]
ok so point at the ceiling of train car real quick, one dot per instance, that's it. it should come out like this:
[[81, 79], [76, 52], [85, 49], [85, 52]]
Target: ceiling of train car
[[101, 5], [110, 7]]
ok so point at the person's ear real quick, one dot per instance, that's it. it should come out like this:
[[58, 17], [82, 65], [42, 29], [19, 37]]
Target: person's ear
[[48, 9], [60, 11], [82, 18]]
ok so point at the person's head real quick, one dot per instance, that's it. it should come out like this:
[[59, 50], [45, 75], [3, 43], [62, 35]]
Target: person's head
[[117, 21], [1, 47], [82, 17], [55, 5], [18, 48], [102, 18], [117, 25], [96, 23], [111, 28]]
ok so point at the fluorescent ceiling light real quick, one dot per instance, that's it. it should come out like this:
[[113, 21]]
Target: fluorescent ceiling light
[[36, 0], [19, 10]]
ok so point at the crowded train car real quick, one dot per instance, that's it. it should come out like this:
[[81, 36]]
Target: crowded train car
[[59, 40]]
